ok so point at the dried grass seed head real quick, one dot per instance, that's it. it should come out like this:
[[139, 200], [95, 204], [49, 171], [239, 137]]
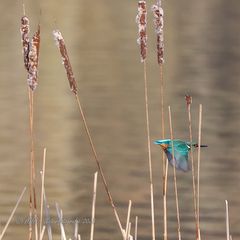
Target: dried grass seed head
[[141, 20], [65, 60]]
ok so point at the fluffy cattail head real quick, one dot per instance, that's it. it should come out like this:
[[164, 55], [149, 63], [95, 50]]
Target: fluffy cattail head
[[141, 20], [30, 52], [24, 29], [33, 57], [158, 24], [188, 99], [65, 59]]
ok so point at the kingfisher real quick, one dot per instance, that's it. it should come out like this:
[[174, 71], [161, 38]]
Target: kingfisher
[[181, 150]]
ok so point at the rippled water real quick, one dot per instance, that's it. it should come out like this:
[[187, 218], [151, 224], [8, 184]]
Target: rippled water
[[202, 58]]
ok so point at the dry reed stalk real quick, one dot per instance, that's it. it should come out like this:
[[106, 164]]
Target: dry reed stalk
[[136, 228], [227, 221], [73, 86], [129, 236], [31, 59], [174, 173], [128, 220], [94, 205], [189, 102], [79, 237], [12, 214], [60, 219], [42, 189], [76, 230], [158, 24], [47, 217], [42, 232], [198, 177], [141, 20]]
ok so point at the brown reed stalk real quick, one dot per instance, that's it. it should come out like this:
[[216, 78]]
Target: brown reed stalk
[[42, 232], [76, 230], [199, 161], [141, 20], [188, 99], [174, 173], [227, 221], [73, 86], [42, 189], [127, 231], [31, 59], [12, 214], [158, 25], [136, 228], [93, 205]]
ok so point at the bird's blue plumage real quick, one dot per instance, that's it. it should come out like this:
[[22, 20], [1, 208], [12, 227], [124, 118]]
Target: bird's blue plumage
[[181, 150]]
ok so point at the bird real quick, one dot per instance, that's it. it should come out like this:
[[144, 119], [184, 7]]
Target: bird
[[181, 150]]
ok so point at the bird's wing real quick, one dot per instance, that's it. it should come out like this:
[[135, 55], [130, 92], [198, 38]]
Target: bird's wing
[[181, 150]]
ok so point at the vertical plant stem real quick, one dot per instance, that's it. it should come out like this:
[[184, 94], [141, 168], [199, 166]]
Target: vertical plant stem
[[189, 100], [129, 231], [162, 117], [42, 233], [128, 219], [149, 149], [33, 205], [98, 164], [164, 162], [227, 221], [198, 177], [136, 228], [93, 205], [42, 189], [174, 173]]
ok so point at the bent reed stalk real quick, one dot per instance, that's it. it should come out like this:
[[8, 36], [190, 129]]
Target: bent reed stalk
[[73, 86]]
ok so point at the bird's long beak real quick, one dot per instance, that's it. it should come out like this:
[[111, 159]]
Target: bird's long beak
[[196, 145]]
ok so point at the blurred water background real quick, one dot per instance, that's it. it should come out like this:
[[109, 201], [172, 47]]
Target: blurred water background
[[202, 57]]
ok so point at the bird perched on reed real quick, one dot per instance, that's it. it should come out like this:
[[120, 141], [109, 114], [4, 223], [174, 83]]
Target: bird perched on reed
[[181, 150]]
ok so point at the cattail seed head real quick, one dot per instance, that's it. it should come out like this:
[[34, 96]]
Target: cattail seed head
[[158, 24], [25, 39], [30, 52], [33, 57], [141, 20], [65, 59], [188, 99]]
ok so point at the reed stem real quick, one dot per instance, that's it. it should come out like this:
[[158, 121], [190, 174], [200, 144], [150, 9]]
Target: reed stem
[[128, 220], [149, 148], [98, 163], [189, 101], [174, 173], [42, 188], [136, 228], [199, 161], [94, 205], [227, 221], [12, 214]]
